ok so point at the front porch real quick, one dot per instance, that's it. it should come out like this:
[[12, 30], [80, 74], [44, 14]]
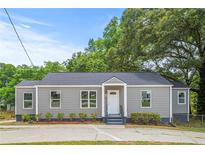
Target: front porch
[[114, 101]]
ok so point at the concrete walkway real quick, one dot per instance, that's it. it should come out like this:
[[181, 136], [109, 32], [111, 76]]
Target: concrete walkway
[[39, 133]]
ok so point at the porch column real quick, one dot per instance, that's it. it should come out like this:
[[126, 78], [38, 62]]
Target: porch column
[[103, 102], [125, 100]]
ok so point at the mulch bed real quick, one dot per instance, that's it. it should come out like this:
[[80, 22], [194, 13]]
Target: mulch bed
[[67, 122]]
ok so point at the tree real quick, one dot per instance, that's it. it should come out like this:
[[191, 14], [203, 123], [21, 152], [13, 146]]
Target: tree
[[10, 76], [6, 73], [87, 62], [6, 91], [172, 40]]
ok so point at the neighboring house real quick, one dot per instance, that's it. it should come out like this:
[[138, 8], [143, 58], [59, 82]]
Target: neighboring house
[[113, 96]]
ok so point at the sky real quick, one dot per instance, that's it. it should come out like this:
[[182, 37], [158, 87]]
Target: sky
[[50, 34]]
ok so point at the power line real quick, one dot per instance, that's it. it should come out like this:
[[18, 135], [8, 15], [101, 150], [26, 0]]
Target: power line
[[18, 37]]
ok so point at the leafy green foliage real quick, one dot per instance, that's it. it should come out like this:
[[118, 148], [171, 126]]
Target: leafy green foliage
[[60, 116], [38, 116], [82, 116], [72, 116], [48, 116], [145, 118], [26, 117], [94, 116]]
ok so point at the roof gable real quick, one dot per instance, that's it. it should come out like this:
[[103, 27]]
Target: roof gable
[[114, 80]]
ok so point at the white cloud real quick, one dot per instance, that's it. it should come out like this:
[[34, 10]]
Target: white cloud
[[41, 47], [25, 26], [24, 19]]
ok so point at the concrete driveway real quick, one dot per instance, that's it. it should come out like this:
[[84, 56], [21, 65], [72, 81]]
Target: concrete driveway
[[37, 133]]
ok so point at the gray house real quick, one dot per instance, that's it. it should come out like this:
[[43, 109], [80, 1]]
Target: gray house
[[113, 96]]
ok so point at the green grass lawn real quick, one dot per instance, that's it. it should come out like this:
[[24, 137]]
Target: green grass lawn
[[184, 128], [102, 143]]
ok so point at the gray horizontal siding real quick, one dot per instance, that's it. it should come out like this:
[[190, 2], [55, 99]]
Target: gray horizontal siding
[[179, 108], [70, 101], [160, 100], [19, 101]]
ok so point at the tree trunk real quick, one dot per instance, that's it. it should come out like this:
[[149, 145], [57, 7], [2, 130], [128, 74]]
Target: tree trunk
[[201, 93]]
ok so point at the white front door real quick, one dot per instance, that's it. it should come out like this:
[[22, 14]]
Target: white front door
[[113, 105]]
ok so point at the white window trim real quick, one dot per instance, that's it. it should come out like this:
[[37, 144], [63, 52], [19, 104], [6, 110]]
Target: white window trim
[[88, 100], [28, 100], [150, 99], [55, 99], [178, 97]]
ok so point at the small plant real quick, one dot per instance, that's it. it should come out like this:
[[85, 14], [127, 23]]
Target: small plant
[[72, 116], [26, 117], [38, 116], [48, 116], [60, 116], [82, 116], [94, 116]]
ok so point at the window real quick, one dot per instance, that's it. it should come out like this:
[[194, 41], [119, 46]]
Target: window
[[28, 101], [88, 99], [55, 99], [145, 99], [181, 97], [112, 93]]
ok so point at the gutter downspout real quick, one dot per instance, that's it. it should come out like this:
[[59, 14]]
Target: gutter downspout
[[36, 99]]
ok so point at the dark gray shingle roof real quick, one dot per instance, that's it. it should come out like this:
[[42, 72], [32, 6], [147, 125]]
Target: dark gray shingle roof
[[177, 84], [141, 78], [28, 83]]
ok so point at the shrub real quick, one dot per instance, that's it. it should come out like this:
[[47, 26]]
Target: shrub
[[60, 116], [48, 116], [94, 116], [145, 118], [72, 116], [38, 116], [82, 116], [26, 117]]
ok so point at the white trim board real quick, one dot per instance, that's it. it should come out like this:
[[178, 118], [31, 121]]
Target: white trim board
[[114, 84], [66, 86], [108, 84], [36, 100], [15, 101], [180, 88], [29, 87], [149, 86], [170, 105], [188, 101], [113, 78]]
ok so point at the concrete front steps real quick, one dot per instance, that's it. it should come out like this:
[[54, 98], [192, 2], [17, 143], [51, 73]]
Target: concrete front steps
[[114, 120]]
